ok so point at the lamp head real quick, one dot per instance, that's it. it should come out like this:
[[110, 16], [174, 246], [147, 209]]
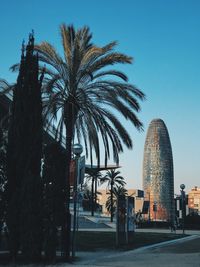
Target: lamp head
[[182, 186], [77, 149]]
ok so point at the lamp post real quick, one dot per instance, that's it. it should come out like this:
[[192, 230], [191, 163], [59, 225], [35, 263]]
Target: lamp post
[[77, 150], [149, 208], [155, 210], [182, 187]]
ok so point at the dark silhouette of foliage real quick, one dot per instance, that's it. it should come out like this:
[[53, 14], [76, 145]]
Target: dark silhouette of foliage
[[53, 183], [114, 180], [192, 221], [95, 176], [88, 202], [112, 204], [3, 176], [81, 86], [24, 159]]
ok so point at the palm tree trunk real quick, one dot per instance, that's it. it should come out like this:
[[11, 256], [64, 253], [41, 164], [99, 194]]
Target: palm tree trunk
[[92, 198], [95, 192], [66, 229], [111, 200]]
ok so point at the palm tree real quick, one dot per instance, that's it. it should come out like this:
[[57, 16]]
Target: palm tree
[[117, 191], [114, 180], [95, 176], [81, 94]]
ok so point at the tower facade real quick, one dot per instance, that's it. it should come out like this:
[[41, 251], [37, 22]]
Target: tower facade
[[158, 176]]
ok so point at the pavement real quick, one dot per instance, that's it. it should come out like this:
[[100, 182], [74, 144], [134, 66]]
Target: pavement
[[87, 223], [182, 252]]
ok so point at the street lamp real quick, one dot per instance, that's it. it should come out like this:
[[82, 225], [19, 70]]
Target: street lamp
[[149, 208], [77, 150], [155, 210], [182, 187]]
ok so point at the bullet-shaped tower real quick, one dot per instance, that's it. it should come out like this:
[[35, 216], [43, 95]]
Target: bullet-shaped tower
[[158, 176]]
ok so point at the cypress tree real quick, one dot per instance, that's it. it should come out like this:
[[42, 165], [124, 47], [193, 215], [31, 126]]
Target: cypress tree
[[3, 176], [24, 159], [54, 209]]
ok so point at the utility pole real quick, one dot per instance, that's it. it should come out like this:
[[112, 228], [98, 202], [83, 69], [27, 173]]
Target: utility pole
[[77, 150], [182, 187]]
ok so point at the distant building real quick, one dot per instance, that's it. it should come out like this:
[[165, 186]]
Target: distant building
[[102, 198], [158, 176], [138, 199], [194, 200], [181, 210], [136, 193]]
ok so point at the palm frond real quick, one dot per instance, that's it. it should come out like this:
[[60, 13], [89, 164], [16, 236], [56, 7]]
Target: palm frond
[[66, 34], [5, 87], [112, 73], [82, 80], [15, 67]]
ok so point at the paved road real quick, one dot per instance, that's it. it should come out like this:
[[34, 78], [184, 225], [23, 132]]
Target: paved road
[[180, 253]]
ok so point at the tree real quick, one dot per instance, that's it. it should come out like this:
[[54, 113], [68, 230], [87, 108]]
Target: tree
[[95, 176], [3, 175], [79, 90], [87, 196], [114, 180], [111, 203], [24, 159], [54, 210]]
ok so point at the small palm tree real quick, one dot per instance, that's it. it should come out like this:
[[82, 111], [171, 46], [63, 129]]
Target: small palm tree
[[95, 176], [114, 180], [117, 191]]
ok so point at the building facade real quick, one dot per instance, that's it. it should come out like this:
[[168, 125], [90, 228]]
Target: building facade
[[158, 176], [194, 200], [137, 194], [181, 209]]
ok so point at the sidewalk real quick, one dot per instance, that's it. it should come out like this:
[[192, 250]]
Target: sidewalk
[[177, 253]]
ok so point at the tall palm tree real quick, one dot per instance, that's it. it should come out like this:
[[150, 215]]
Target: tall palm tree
[[114, 180], [80, 92]]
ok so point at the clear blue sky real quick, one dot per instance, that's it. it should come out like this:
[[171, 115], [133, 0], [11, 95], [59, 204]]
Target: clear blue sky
[[163, 36]]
